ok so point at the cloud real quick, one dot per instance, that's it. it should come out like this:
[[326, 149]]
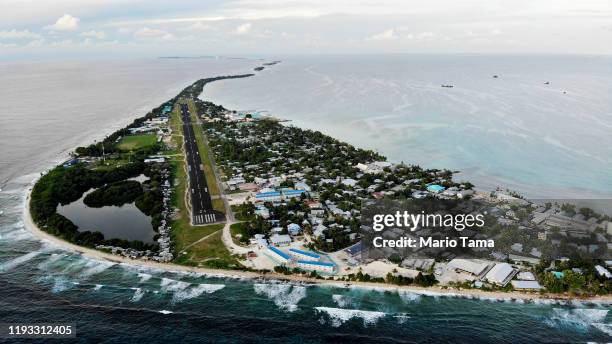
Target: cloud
[[148, 32], [94, 34], [16, 34], [384, 36], [65, 23], [244, 28]]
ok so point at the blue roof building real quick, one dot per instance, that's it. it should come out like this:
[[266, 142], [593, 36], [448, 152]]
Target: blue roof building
[[278, 254], [304, 254]]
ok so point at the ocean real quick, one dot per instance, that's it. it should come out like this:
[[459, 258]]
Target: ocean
[[513, 131], [51, 107]]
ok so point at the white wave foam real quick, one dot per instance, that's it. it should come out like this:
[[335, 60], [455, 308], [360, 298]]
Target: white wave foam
[[401, 318], [98, 287], [577, 317], [168, 284], [196, 291], [342, 300], [285, 296], [605, 328], [53, 258], [11, 264], [163, 311], [61, 284], [339, 316], [94, 267], [138, 294], [408, 296], [144, 277]]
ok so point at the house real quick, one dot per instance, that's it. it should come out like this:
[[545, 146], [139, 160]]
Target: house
[[500, 274], [603, 272], [280, 240], [318, 231], [294, 229], [349, 182]]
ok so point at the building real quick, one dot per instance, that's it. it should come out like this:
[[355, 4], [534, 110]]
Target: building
[[435, 188], [526, 285], [603, 272], [290, 193], [270, 196], [280, 240], [279, 255], [316, 266], [294, 229], [526, 276], [349, 182], [304, 255], [474, 267], [155, 160], [500, 274]]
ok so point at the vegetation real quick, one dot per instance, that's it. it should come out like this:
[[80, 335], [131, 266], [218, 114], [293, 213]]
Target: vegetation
[[135, 142], [117, 194]]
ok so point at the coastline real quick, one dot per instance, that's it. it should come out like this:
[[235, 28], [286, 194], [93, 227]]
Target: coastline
[[272, 276]]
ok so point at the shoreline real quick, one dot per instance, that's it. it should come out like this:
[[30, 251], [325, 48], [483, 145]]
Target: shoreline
[[272, 276]]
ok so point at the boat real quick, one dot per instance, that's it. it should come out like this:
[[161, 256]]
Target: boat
[[495, 76], [547, 83], [447, 86]]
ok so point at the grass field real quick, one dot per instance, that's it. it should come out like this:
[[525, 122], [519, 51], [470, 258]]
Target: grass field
[[209, 253], [134, 142]]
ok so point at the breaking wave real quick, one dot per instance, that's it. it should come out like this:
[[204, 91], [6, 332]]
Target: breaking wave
[[13, 263], [196, 291], [408, 296], [94, 267], [144, 277], [342, 300], [98, 287], [138, 294], [285, 296], [338, 316], [168, 284], [581, 318]]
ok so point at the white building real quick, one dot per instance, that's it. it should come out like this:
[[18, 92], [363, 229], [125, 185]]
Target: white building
[[316, 266], [475, 267], [603, 272], [280, 240], [501, 274]]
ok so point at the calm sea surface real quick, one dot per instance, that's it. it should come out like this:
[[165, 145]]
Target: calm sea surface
[[545, 140], [48, 108]]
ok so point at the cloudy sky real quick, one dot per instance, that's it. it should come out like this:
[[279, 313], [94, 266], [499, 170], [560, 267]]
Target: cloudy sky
[[75, 28]]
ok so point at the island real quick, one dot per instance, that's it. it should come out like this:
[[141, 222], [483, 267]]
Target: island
[[233, 192]]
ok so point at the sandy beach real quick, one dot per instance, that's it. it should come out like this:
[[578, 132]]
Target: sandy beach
[[272, 276]]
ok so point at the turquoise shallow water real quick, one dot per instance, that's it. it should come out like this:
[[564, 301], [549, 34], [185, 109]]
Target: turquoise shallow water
[[113, 303], [547, 141]]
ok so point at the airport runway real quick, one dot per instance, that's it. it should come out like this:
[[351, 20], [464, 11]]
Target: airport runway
[[201, 204]]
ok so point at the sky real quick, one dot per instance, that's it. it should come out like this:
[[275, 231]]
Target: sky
[[77, 28]]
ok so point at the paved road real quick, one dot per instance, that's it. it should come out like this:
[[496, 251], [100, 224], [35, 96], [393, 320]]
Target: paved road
[[201, 204]]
